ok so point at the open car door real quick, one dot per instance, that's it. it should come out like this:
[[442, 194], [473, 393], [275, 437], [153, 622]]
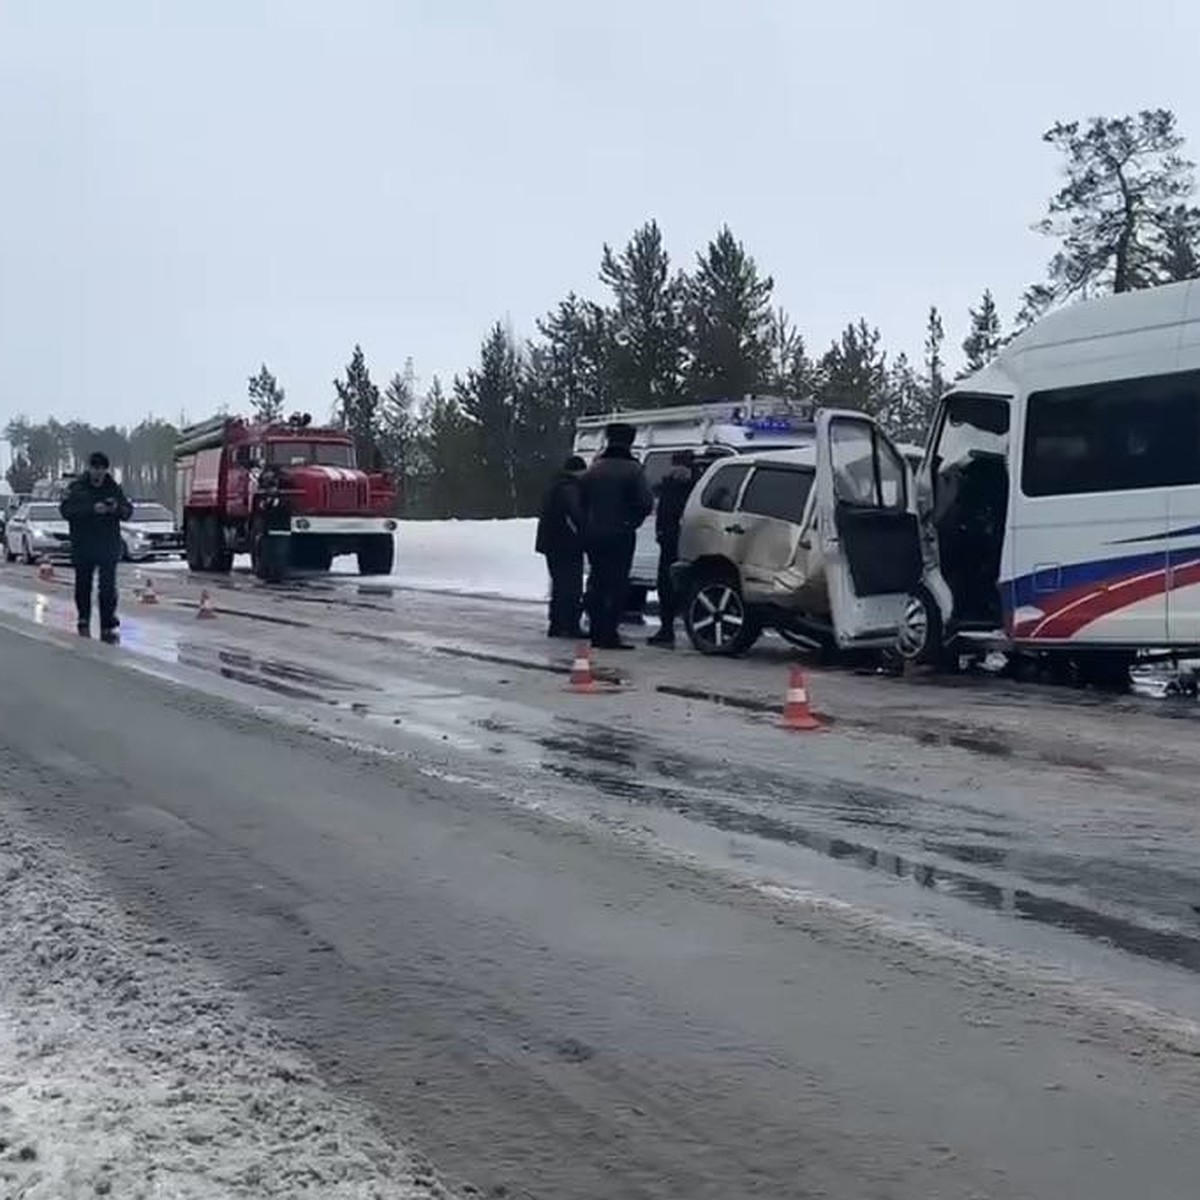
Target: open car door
[[866, 521]]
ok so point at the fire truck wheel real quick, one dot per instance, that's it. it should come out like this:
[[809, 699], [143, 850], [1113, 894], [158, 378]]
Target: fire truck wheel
[[191, 539], [210, 543], [269, 556], [309, 554], [376, 555]]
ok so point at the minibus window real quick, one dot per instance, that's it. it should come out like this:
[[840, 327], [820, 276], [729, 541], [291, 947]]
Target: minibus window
[[1123, 435], [973, 427]]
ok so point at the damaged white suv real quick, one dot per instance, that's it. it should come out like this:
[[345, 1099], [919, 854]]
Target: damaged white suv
[[818, 542]]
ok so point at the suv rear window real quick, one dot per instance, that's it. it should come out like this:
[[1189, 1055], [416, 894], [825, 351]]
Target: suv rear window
[[721, 491], [779, 492]]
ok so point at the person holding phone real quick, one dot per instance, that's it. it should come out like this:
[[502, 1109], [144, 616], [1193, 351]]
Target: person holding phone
[[94, 507]]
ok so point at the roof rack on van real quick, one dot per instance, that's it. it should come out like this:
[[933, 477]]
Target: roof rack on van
[[733, 412]]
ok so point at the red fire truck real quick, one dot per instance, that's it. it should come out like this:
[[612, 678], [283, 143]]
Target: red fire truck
[[289, 494]]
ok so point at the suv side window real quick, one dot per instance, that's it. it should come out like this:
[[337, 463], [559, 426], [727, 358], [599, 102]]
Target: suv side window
[[721, 491], [779, 492]]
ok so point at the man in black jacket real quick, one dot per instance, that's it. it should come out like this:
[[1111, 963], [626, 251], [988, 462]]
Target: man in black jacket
[[672, 494], [560, 539], [95, 506], [616, 500]]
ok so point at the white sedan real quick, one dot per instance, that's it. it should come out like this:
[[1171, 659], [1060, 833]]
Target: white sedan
[[150, 534], [36, 531]]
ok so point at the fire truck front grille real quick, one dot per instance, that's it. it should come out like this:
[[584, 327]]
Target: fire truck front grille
[[345, 495]]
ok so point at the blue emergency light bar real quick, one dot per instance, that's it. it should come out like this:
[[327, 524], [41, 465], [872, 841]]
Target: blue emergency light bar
[[769, 424]]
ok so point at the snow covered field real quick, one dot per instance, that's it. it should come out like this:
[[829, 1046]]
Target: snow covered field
[[127, 1070], [474, 558], [469, 558]]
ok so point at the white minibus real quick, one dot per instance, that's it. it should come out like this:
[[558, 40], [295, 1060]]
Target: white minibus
[[1060, 491]]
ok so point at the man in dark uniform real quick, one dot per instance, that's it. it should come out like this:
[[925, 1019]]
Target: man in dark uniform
[[94, 507], [672, 495], [560, 539], [616, 500]]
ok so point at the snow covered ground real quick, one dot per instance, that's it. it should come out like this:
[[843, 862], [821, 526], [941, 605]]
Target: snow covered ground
[[474, 558], [127, 1070], [468, 558]]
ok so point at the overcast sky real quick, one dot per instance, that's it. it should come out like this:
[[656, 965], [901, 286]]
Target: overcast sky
[[190, 187]]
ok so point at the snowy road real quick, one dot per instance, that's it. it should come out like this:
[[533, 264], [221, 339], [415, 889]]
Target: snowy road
[[636, 945]]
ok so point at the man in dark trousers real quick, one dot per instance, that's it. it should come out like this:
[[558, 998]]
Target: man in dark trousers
[[616, 500], [95, 506], [672, 495], [560, 539]]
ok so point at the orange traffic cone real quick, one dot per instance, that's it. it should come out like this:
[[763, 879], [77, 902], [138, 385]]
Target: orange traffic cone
[[45, 571], [582, 679], [148, 595], [796, 712], [207, 611]]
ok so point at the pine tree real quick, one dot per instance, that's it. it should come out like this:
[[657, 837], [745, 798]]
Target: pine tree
[[729, 322], [358, 407], [1181, 244], [544, 431], [21, 474], [450, 457], [1125, 175], [142, 458], [907, 406], [791, 371], [935, 365], [983, 343], [266, 396], [490, 396], [852, 373], [646, 319], [574, 360], [399, 427]]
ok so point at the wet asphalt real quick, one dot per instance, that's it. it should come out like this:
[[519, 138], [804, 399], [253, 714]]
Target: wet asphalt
[[645, 943]]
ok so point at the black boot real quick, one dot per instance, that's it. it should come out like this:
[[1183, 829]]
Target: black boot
[[664, 637]]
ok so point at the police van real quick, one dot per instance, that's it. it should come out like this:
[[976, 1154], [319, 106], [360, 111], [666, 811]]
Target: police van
[[711, 431], [1060, 493]]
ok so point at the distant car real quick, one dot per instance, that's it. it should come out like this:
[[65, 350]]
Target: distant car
[[35, 531], [150, 534]]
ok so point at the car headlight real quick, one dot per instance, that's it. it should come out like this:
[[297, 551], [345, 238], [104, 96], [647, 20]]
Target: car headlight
[[37, 531]]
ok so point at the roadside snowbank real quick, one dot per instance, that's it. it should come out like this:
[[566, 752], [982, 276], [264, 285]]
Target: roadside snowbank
[[471, 558], [467, 558], [127, 1070]]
